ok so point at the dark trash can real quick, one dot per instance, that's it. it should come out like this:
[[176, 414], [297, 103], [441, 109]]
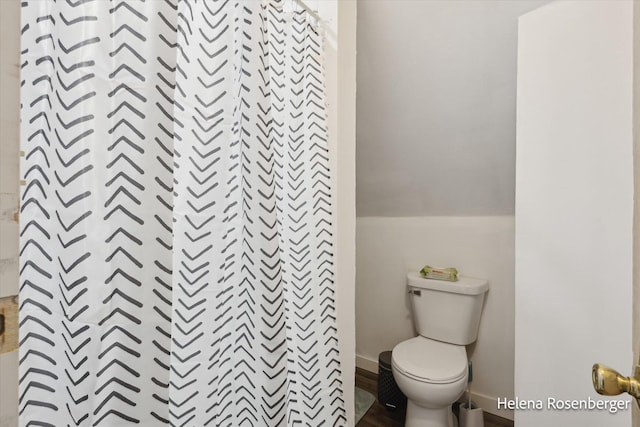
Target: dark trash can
[[388, 392]]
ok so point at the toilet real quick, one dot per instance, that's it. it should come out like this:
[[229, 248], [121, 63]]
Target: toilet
[[432, 368]]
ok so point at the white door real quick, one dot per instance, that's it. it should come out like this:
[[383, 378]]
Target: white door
[[574, 211]]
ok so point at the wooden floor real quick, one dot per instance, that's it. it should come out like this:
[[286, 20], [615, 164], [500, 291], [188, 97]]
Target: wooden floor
[[379, 416]]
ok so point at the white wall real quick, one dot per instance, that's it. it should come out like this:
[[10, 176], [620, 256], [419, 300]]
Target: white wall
[[340, 50], [479, 247], [574, 205], [436, 144], [9, 114], [436, 106]]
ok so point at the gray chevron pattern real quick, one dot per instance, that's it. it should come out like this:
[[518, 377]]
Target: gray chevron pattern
[[176, 247]]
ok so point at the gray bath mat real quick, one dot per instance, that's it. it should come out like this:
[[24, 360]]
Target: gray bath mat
[[364, 400]]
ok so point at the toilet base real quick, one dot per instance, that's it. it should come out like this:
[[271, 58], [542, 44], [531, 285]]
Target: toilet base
[[418, 416]]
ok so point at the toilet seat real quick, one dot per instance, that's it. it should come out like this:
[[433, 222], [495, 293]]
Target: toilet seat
[[430, 361]]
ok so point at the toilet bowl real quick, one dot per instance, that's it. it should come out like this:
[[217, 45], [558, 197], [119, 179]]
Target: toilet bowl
[[432, 375], [432, 368]]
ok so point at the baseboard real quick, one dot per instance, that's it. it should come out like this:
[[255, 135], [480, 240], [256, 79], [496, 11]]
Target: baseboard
[[489, 404], [366, 364]]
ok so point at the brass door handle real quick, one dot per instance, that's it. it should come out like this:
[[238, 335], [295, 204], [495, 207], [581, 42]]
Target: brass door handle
[[609, 382]]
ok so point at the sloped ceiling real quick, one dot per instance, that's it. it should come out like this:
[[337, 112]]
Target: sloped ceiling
[[436, 106]]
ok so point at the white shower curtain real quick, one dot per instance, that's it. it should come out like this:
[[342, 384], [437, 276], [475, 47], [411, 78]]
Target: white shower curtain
[[176, 246]]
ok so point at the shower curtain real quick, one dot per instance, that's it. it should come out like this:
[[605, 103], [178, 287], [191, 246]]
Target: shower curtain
[[176, 261]]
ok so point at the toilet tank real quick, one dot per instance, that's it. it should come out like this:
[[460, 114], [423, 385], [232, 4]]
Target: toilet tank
[[447, 311]]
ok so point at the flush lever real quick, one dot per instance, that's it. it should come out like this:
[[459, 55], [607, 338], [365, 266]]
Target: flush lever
[[415, 292]]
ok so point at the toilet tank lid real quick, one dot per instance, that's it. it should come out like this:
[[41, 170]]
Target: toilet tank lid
[[464, 285]]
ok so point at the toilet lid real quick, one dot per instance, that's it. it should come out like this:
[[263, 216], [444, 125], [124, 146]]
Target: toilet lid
[[430, 361]]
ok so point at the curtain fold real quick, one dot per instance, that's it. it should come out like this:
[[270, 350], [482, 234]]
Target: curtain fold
[[176, 248]]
